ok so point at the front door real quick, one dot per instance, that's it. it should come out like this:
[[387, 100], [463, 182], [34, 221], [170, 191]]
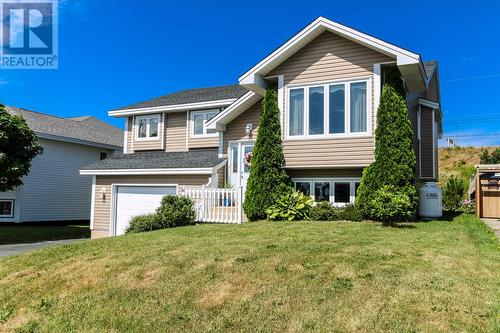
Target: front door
[[240, 170]]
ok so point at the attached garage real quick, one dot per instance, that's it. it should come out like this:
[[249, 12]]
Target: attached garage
[[136, 200]]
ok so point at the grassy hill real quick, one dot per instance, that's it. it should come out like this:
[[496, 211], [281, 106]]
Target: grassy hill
[[263, 277], [459, 161]]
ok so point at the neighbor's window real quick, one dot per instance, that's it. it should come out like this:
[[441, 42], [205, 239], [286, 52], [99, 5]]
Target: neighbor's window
[[329, 109], [103, 156], [6, 208], [147, 126], [199, 120]]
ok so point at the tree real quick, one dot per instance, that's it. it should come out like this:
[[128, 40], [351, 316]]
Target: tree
[[493, 158], [454, 191], [268, 180], [395, 162], [18, 147]]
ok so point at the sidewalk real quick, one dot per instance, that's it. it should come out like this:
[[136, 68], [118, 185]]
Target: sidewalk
[[494, 224]]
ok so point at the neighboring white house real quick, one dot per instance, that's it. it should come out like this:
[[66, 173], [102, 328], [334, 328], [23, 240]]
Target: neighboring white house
[[54, 190]]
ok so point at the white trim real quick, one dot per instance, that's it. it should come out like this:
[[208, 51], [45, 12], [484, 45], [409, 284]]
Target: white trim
[[75, 140], [166, 171], [125, 136], [419, 138], [163, 131], [427, 103], [205, 122], [321, 24], [114, 197], [340, 166], [133, 134], [377, 87], [434, 144], [212, 124], [332, 181], [172, 108], [347, 114], [12, 208], [92, 203], [281, 102], [148, 124]]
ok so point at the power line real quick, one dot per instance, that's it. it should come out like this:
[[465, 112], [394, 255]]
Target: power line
[[472, 78]]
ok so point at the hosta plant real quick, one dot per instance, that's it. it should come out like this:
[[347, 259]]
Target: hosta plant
[[290, 207]]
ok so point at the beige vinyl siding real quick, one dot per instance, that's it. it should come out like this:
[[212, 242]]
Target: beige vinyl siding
[[175, 135], [426, 144], [236, 129], [138, 145], [330, 57], [326, 173], [102, 207], [130, 135], [201, 142], [221, 174], [338, 152]]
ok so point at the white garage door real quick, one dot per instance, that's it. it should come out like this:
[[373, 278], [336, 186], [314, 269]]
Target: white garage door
[[137, 200]]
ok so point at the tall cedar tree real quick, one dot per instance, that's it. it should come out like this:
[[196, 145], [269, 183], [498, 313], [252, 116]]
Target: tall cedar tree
[[18, 146], [395, 162], [268, 179]]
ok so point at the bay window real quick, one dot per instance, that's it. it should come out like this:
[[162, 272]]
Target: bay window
[[340, 108], [297, 111]]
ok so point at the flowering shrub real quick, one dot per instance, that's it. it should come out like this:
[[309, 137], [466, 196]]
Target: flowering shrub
[[468, 206], [247, 159]]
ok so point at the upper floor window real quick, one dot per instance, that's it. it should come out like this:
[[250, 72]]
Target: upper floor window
[[147, 127], [329, 109], [199, 120]]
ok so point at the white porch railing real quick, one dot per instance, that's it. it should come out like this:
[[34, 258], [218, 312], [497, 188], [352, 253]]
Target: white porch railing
[[216, 205]]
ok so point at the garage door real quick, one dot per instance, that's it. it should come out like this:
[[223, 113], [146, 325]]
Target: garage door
[[136, 200]]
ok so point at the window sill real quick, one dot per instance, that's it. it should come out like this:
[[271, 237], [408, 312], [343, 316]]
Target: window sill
[[326, 137], [148, 139]]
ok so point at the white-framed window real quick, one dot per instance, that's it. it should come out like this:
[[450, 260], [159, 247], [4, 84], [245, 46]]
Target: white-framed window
[[338, 191], [329, 109], [199, 120], [6, 208], [147, 127]]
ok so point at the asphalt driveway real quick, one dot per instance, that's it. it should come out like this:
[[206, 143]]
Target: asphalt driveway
[[13, 249]]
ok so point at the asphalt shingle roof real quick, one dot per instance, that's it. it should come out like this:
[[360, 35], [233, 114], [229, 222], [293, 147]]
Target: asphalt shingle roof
[[192, 96], [85, 128], [203, 158]]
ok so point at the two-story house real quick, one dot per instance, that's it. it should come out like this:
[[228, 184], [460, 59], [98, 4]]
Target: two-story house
[[329, 79]]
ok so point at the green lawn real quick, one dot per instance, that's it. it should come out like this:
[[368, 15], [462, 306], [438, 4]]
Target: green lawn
[[437, 276], [30, 233]]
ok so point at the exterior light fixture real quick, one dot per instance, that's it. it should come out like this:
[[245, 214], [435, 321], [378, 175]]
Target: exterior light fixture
[[248, 128]]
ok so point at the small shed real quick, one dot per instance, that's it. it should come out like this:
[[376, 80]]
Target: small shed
[[487, 190]]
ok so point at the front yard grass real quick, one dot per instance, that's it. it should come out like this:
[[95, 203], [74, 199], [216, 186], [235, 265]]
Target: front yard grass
[[437, 276], [41, 231]]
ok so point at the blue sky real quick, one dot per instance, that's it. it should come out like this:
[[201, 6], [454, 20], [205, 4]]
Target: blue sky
[[117, 52]]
